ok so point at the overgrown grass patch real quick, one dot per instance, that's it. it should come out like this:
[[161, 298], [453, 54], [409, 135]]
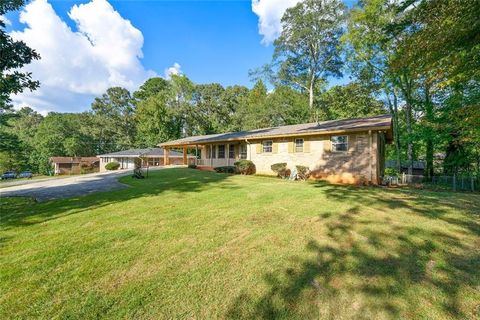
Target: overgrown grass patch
[[194, 244]]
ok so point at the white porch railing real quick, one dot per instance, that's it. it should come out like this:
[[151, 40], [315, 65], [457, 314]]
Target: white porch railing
[[215, 162]]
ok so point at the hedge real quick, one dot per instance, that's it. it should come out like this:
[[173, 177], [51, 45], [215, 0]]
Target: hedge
[[112, 166], [225, 169], [245, 167]]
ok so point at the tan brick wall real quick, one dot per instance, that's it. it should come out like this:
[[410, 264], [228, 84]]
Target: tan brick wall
[[352, 166]]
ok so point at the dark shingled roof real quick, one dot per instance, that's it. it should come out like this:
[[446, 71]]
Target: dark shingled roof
[[376, 122], [133, 153]]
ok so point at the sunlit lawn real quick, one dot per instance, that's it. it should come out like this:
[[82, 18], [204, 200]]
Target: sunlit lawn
[[190, 244]]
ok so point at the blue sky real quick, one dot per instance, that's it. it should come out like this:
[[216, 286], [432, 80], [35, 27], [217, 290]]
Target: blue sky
[[213, 41], [209, 41]]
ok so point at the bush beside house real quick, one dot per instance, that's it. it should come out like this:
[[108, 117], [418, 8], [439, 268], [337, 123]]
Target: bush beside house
[[112, 166], [246, 167], [281, 169], [226, 169]]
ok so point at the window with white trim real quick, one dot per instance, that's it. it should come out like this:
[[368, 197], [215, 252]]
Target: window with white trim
[[339, 143], [243, 151], [299, 145], [221, 151], [231, 151], [267, 146], [213, 150]]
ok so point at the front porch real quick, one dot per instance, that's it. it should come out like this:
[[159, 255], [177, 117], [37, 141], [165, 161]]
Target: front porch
[[214, 154]]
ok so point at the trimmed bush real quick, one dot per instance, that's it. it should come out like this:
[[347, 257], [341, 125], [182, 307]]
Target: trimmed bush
[[280, 169], [192, 166], [225, 169], [245, 167], [112, 166], [302, 169], [303, 172]]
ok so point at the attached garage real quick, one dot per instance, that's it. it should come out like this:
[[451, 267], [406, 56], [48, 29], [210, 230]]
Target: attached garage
[[151, 157]]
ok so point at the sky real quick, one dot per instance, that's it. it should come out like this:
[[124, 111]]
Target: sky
[[88, 46]]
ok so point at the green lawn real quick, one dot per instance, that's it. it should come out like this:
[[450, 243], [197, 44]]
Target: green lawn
[[189, 244]]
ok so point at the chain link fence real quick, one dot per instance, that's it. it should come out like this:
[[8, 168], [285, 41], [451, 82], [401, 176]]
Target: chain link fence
[[455, 183]]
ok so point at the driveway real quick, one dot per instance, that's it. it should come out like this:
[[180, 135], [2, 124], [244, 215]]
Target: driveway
[[50, 189]]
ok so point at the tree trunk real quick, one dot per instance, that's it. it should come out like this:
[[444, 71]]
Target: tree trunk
[[429, 134], [311, 96], [406, 87], [396, 134]]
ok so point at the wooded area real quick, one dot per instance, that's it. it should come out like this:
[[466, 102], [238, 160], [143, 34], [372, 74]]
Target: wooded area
[[418, 60]]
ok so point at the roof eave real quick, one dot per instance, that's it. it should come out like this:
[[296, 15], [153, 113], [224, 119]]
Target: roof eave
[[316, 133]]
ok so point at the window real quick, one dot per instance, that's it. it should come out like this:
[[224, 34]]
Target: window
[[213, 152], [339, 143], [267, 146], [243, 151], [221, 151], [298, 145], [231, 151]]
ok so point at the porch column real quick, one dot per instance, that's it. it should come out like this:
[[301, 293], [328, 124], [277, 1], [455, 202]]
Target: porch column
[[196, 154], [166, 157], [185, 155], [227, 153]]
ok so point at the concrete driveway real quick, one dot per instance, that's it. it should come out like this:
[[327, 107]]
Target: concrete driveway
[[50, 189]]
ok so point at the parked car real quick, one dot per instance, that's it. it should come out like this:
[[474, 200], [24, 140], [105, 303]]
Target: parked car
[[9, 175], [26, 174]]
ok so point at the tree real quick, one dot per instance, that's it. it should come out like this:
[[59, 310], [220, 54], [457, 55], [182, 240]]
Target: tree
[[285, 105], [352, 100], [152, 87], [114, 123], [155, 121], [24, 127], [62, 134], [443, 38], [307, 50], [13, 56], [210, 115], [234, 99], [253, 114], [371, 51]]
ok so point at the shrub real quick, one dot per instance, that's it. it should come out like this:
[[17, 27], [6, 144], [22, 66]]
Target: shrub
[[277, 167], [303, 172], [192, 166], [225, 169], [302, 169], [393, 172], [112, 166], [245, 167], [281, 169]]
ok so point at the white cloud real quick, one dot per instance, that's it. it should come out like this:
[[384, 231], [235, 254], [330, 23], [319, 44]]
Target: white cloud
[[77, 66], [5, 20], [176, 69], [269, 14]]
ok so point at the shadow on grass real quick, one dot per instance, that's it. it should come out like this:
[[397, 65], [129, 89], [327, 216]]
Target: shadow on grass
[[372, 274], [174, 180]]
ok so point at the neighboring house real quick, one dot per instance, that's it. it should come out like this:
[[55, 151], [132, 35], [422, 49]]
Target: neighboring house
[[151, 157], [348, 151], [74, 165]]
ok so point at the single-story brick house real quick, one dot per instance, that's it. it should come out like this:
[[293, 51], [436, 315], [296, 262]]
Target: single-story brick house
[[74, 165], [151, 157], [347, 151]]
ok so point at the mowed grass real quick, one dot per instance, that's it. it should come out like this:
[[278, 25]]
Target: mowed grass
[[188, 244]]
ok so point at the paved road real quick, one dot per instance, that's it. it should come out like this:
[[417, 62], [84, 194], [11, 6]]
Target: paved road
[[44, 190]]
